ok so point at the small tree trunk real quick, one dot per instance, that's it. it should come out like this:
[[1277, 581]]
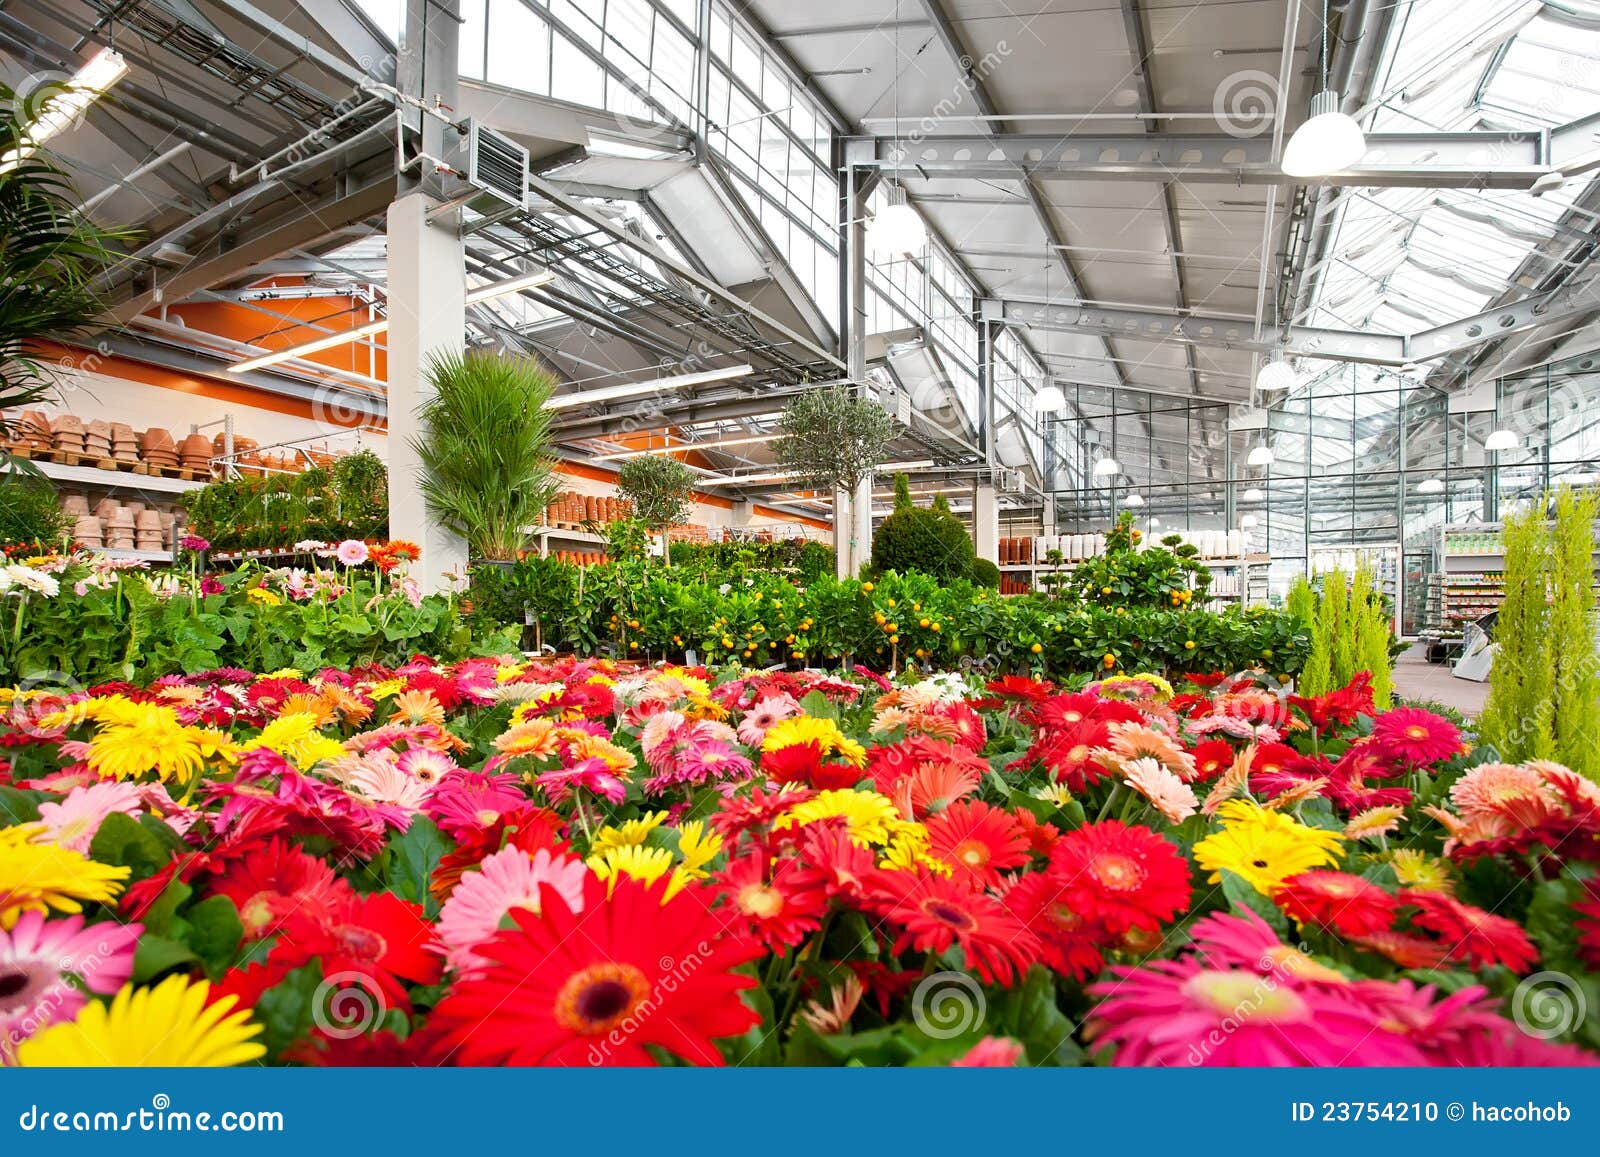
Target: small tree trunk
[[666, 547]]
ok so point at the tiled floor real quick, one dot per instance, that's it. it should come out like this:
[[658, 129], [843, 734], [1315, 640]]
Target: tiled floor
[[1416, 678]]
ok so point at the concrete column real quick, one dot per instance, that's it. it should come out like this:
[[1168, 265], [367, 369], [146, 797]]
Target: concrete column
[[861, 525], [986, 523], [427, 312]]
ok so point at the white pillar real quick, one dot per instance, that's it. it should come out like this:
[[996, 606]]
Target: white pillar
[[861, 524], [986, 523], [427, 313]]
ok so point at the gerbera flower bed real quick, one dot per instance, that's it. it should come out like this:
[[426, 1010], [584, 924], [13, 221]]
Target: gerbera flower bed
[[492, 862]]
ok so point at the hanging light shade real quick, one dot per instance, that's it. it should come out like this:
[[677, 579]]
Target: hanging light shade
[[1260, 456], [1254, 494], [1276, 375], [1106, 467], [1154, 522], [897, 229], [1500, 440], [1133, 500], [1248, 522], [1329, 141], [1050, 399], [1430, 486]]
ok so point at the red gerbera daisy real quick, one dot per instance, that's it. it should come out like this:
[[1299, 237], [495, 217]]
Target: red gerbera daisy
[[378, 937], [780, 908], [1080, 706], [528, 827], [596, 988], [1042, 836], [272, 881], [1124, 877], [1406, 949], [756, 810], [1337, 900], [1068, 943], [1588, 909], [1417, 737], [830, 860], [1211, 759], [978, 841], [1020, 688], [1471, 934], [1072, 753], [934, 913]]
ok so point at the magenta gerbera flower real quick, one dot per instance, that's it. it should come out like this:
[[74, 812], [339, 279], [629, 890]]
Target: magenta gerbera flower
[[1177, 1013], [1417, 737]]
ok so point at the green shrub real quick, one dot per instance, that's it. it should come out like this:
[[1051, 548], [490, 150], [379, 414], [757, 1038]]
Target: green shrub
[[930, 541], [985, 574], [30, 513], [1167, 576]]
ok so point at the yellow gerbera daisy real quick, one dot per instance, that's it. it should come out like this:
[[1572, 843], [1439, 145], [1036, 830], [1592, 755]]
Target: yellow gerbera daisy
[[135, 738], [536, 737], [908, 849], [1054, 792], [296, 738], [1265, 847], [385, 689], [1421, 871], [582, 745], [262, 597], [870, 817], [38, 877], [630, 833], [824, 733], [696, 847], [646, 865], [167, 1026]]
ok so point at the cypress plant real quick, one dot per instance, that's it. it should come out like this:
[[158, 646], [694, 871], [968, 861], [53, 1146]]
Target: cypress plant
[[1575, 724], [1517, 716]]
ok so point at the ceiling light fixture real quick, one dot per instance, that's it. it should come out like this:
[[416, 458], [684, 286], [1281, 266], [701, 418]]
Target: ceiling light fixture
[[915, 464], [1134, 499], [1276, 375], [619, 455], [59, 111], [896, 230], [372, 328], [1248, 522], [1328, 141], [1500, 440], [1050, 399], [1107, 467], [1430, 486], [634, 389], [1253, 494], [1260, 456]]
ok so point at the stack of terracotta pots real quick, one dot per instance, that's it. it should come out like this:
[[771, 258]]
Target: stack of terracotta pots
[[33, 431], [97, 439], [147, 530], [194, 452], [159, 449], [119, 529], [86, 530], [66, 430], [76, 505], [124, 446]]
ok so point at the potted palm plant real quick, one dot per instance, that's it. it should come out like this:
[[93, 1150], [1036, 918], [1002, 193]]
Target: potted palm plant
[[486, 466]]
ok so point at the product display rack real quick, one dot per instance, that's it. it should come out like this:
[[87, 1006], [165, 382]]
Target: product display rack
[[1467, 586], [1248, 586]]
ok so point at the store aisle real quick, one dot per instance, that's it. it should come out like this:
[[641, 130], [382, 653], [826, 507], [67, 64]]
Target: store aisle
[[1416, 678]]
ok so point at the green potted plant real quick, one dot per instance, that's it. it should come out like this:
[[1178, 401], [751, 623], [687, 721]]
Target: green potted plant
[[832, 439], [661, 490], [50, 257], [486, 467]]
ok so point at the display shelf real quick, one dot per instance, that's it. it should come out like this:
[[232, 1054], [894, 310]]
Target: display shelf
[[116, 479], [125, 553]]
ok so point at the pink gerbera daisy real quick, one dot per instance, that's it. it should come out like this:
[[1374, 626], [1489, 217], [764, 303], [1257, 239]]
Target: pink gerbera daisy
[[1159, 784], [1176, 1013], [39, 960], [1417, 737], [1502, 791], [505, 882], [473, 799], [767, 713], [73, 822]]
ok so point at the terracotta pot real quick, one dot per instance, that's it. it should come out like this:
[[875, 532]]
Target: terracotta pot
[[87, 530]]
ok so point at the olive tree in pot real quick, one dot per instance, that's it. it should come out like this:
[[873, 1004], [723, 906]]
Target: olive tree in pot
[[832, 438], [486, 466], [661, 490]]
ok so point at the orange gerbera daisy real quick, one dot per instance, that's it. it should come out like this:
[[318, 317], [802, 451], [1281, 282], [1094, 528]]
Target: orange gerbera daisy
[[978, 841], [416, 707]]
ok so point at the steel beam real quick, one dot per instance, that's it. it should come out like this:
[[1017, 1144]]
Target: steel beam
[[1305, 341], [1463, 160]]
